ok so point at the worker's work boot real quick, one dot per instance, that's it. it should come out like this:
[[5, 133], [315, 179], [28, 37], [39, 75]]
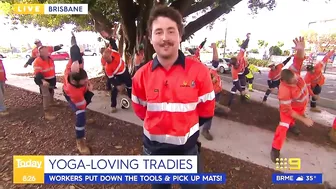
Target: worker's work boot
[[294, 130], [90, 121], [82, 147], [275, 154], [49, 115], [4, 113], [206, 134], [332, 135], [250, 88], [113, 109], [314, 109]]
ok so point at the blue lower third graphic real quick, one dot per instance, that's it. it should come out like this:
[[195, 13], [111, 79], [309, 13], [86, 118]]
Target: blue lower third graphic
[[211, 178], [297, 178]]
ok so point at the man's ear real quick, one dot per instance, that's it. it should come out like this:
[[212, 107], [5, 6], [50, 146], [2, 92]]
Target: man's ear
[[150, 39]]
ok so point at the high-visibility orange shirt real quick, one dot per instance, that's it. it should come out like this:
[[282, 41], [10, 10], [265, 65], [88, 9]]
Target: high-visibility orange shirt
[[171, 102], [76, 95], [117, 66], [35, 51], [46, 67], [218, 83], [2, 72], [297, 65], [291, 97], [275, 74], [68, 70]]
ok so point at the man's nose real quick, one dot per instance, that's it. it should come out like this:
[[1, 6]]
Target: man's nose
[[165, 36]]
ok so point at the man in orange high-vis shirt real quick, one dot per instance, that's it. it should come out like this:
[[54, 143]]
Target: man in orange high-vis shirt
[[293, 98], [315, 80], [274, 77], [196, 53], [332, 133], [3, 79], [173, 94], [217, 84], [44, 71], [35, 52], [238, 70], [78, 92], [118, 75]]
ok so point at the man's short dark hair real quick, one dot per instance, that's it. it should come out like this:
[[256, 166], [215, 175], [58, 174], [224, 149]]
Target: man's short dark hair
[[168, 12], [286, 75], [233, 60], [77, 76]]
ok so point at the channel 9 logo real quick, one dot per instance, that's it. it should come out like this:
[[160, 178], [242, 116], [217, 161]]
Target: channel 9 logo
[[293, 164]]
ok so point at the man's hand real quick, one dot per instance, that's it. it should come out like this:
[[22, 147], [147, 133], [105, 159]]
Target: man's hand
[[308, 122], [213, 45], [25, 66], [299, 43], [45, 83], [317, 97], [89, 87], [205, 39], [61, 45], [248, 35]]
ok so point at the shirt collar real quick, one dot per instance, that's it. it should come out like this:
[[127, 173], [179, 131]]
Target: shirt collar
[[180, 60]]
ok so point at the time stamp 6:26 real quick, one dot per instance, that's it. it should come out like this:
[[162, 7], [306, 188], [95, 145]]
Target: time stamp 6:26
[[28, 178]]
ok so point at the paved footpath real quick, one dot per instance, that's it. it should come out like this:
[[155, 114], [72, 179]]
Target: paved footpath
[[245, 142]]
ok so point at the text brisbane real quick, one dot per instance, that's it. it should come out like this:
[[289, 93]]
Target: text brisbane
[[66, 9]]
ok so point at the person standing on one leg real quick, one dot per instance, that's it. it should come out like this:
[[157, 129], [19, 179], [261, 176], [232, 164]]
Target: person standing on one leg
[[45, 78], [238, 77], [315, 80], [3, 79], [173, 94], [217, 84], [250, 76], [118, 75], [78, 92], [274, 77], [293, 99]]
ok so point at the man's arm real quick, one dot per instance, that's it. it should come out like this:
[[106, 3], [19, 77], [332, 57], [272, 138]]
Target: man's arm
[[206, 96], [287, 60], [139, 102], [308, 83], [214, 52], [328, 56]]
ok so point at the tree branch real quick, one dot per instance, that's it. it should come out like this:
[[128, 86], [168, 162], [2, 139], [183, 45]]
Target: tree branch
[[128, 14], [224, 7], [181, 5], [101, 23], [198, 6]]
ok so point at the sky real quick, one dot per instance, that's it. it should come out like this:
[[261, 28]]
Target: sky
[[287, 21]]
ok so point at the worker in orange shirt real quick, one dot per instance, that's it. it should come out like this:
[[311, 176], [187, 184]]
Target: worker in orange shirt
[[217, 84], [45, 78], [238, 67], [315, 80], [173, 94], [119, 77], [78, 92], [35, 51], [3, 79], [293, 98], [274, 76], [196, 53], [332, 133]]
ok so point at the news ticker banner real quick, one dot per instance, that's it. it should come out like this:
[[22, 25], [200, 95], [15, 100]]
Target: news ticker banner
[[110, 169], [74, 9], [297, 178]]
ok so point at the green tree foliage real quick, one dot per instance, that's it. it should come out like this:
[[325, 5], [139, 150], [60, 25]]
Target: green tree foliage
[[275, 50]]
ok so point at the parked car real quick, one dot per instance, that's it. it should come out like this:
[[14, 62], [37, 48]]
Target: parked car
[[60, 55], [88, 52], [223, 66]]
